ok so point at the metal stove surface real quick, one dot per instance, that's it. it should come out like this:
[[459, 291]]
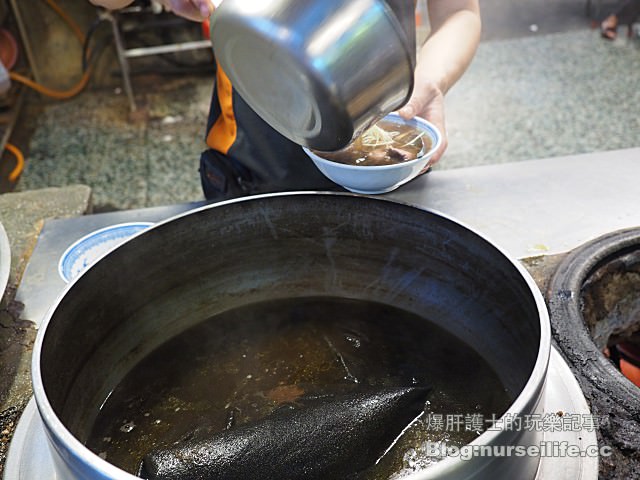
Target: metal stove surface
[[528, 208]]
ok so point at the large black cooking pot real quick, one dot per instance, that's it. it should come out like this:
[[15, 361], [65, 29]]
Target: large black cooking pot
[[218, 257]]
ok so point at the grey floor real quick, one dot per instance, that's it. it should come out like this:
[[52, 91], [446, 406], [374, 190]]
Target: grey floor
[[545, 96], [540, 86]]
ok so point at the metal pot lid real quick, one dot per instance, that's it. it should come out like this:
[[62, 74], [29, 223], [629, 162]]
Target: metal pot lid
[[313, 79]]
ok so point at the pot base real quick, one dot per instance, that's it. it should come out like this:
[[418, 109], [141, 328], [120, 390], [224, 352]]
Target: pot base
[[29, 456]]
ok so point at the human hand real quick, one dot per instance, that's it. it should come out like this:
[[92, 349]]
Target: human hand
[[427, 101], [196, 10]]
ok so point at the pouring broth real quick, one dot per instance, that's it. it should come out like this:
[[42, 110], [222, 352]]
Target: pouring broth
[[386, 143], [244, 364]]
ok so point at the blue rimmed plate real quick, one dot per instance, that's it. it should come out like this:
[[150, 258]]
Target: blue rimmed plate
[[85, 251], [5, 260]]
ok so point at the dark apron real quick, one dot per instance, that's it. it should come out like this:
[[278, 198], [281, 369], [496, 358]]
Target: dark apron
[[259, 160]]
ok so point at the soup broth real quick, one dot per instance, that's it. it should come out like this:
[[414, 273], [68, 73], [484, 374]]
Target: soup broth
[[386, 143], [243, 364]]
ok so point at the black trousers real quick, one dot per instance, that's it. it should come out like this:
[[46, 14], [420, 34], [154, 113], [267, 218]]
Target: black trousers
[[259, 161], [627, 12]]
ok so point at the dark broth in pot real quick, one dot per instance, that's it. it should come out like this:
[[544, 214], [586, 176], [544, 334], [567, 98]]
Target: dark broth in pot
[[240, 365], [386, 143]]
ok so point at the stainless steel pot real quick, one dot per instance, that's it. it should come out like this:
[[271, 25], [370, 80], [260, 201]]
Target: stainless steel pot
[[187, 269], [319, 72]]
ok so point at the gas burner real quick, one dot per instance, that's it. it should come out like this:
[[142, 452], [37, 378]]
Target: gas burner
[[594, 303]]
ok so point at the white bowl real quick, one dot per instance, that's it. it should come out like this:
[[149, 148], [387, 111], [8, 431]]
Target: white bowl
[[373, 179]]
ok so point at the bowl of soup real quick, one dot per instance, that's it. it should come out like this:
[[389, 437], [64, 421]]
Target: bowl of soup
[[386, 156]]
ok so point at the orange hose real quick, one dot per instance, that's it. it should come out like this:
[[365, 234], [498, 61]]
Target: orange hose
[[58, 94], [15, 173], [73, 25]]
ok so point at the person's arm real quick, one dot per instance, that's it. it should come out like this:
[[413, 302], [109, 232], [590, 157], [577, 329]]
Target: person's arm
[[196, 10], [111, 4], [448, 51]]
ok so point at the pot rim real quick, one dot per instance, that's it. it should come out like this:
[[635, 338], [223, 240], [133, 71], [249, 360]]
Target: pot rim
[[58, 433]]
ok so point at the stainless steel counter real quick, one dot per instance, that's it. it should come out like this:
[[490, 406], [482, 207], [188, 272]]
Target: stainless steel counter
[[540, 206], [531, 208]]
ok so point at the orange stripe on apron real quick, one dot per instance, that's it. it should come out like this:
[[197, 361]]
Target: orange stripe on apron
[[224, 130]]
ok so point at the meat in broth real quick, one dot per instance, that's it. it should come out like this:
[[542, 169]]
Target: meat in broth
[[386, 143]]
